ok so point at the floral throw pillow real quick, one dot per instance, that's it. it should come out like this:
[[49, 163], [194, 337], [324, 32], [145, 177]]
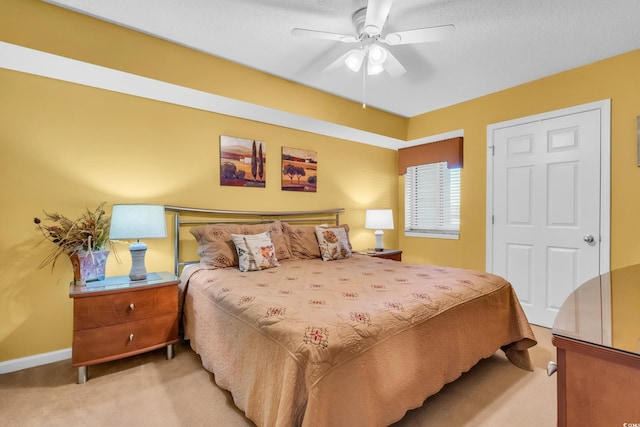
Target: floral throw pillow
[[333, 243], [255, 251]]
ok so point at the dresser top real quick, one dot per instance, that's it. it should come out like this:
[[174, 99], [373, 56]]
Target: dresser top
[[123, 283], [604, 311]]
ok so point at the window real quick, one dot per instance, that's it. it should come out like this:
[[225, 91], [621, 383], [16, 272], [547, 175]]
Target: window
[[432, 201]]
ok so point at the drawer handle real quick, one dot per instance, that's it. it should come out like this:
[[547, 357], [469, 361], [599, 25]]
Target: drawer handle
[[131, 337], [131, 306]]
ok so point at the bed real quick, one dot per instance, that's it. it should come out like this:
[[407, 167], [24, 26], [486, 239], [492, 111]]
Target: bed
[[353, 341]]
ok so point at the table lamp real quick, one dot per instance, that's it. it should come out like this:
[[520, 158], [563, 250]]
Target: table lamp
[[137, 222], [379, 219]]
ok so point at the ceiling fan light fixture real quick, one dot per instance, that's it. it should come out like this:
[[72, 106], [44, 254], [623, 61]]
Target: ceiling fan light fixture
[[353, 61], [369, 23], [377, 55]]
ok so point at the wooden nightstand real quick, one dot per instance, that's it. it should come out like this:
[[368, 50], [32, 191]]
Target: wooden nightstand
[[122, 318], [394, 254]]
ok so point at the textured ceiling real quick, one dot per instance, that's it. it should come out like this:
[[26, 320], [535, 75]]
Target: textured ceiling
[[497, 43]]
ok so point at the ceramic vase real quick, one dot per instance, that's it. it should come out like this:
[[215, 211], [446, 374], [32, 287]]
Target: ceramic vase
[[88, 266]]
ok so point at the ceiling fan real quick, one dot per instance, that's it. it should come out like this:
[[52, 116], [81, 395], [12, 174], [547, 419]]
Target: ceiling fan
[[369, 24]]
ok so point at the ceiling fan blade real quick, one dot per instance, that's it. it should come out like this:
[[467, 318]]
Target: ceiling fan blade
[[338, 63], [393, 66], [301, 32], [377, 13], [421, 35]]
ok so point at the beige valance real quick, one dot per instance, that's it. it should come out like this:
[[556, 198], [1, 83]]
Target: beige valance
[[447, 150]]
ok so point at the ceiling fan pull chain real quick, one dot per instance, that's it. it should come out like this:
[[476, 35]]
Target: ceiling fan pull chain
[[364, 88]]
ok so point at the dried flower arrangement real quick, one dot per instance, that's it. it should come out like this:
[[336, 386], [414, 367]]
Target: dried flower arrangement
[[88, 233]]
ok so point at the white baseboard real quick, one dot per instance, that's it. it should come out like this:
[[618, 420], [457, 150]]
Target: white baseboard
[[35, 360]]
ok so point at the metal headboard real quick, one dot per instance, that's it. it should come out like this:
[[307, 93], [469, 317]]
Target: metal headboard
[[184, 216]]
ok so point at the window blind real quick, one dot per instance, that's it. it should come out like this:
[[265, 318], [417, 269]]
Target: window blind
[[432, 199]]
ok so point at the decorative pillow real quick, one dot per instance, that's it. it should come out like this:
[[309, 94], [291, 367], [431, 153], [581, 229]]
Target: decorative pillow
[[346, 229], [303, 241], [216, 248], [255, 251], [333, 243], [278, 236]]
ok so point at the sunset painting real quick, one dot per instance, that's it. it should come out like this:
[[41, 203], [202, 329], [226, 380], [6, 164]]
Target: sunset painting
[[243, 162], [299, 170]]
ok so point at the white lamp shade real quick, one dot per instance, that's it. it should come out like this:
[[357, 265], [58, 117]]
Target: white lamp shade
[[379, 219], [137, 222]]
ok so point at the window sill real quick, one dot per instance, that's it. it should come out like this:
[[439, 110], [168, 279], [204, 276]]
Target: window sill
[[432, 235]]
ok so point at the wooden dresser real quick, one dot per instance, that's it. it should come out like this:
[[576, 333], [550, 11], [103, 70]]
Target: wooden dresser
[[123, 318], [597, 337]]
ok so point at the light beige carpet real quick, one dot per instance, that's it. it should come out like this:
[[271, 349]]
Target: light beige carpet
[[148, 390]]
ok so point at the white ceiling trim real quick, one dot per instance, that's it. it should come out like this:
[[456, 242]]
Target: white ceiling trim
[[18, 58]]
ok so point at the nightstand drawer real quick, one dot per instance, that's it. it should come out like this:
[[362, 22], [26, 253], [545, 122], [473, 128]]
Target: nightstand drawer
[[104, 310], [110, 342]]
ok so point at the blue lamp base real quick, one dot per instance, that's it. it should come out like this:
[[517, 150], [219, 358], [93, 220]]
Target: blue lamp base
[[138, 270]]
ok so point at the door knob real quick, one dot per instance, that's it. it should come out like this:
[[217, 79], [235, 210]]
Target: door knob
[[588, 238]]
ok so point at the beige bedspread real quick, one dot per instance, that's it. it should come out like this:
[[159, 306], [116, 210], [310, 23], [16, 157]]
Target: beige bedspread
[[354, 342]]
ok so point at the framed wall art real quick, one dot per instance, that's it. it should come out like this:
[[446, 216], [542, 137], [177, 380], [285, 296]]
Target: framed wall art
[[243, 162], [299, 170]]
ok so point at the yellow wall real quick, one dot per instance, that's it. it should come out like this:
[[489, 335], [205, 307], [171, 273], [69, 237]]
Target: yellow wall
[[66, 147], [616, 78]]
